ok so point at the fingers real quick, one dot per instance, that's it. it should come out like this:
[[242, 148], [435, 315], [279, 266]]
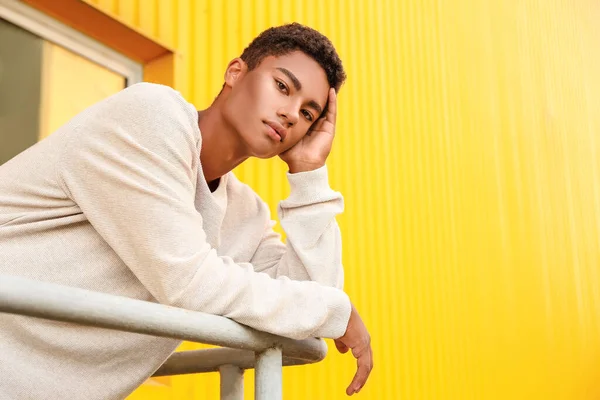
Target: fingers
[[364, 366], [318, 126], [331, 106], [327, 122]]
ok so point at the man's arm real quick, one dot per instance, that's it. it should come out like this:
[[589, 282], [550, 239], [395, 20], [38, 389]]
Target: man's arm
[[313, 249], [130, 165], [307, 216]]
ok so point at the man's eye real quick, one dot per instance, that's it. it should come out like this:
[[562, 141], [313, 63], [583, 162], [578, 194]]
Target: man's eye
[[307, 115], [281, 86]]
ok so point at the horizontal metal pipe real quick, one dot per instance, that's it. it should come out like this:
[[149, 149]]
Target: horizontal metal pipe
[[62, 303], [209, 360]]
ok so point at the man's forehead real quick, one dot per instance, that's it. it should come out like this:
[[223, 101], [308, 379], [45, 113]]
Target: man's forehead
[[303, 71]]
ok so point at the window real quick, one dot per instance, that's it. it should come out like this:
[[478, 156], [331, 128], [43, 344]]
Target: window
[[48, 74]]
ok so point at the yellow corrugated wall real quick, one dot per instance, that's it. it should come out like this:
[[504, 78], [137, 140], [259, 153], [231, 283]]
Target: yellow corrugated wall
[[467, 151]]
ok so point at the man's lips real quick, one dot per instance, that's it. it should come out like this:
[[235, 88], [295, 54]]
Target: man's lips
[[278, 129]]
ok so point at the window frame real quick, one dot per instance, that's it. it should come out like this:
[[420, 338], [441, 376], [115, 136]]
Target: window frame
[[54, 31]]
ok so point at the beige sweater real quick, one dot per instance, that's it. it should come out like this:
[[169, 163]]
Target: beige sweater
[[115, 201]]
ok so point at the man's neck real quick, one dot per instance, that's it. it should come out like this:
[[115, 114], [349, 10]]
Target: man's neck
[[221, 148]]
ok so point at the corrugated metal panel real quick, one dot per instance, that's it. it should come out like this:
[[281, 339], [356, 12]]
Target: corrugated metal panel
[[467, 150], [157, 19]]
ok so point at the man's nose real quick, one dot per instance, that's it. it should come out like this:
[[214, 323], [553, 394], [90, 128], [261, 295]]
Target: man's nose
[[289, 114]]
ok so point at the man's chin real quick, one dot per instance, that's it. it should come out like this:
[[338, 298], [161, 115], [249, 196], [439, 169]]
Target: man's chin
[[265, 149], [265, 155]]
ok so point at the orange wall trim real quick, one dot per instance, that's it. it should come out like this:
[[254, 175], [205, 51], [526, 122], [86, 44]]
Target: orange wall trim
[[105, 28]]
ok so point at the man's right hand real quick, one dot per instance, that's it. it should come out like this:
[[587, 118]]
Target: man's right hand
[[358, 340]]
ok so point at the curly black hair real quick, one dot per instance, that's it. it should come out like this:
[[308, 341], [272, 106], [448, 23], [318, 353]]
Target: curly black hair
[[285, 39]]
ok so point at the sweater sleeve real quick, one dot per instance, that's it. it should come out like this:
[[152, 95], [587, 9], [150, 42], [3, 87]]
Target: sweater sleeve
[[313, 249], [130, 166]]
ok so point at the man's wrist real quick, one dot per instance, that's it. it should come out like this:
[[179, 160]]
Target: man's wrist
[[311, 187], [295, 168]]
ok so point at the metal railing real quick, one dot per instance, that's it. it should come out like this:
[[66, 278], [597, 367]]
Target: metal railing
[[243, 347]]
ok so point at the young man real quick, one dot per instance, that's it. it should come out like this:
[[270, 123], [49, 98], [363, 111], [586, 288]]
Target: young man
[[135, 197]]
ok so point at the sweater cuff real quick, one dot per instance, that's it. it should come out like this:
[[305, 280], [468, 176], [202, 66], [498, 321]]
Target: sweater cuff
[[338, 314], [309, 186]]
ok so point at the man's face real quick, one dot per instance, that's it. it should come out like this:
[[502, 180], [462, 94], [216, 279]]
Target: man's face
[[279, 99]]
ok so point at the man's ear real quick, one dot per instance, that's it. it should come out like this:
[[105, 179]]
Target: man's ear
[[235, 70]]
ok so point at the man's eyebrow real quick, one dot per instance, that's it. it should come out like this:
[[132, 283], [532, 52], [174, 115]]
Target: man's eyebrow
[[298, 86], [292, 77], [316, 106]]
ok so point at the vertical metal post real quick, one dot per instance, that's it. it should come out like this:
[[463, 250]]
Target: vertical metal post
[[232, 382], [267, 377]]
